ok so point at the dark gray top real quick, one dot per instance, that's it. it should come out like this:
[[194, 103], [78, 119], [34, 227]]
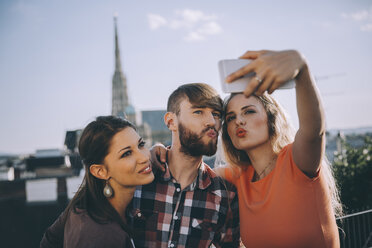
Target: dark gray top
[[81, 231]]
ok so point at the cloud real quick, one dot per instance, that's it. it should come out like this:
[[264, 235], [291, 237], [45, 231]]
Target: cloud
[[357, 16], [194, 36], [156, 21], [361, 17], [200, 34], [210, 28], [366, 27], [195, 23], [194, 16]]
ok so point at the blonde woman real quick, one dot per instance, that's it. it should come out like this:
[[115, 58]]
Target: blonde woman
[[287, 195]]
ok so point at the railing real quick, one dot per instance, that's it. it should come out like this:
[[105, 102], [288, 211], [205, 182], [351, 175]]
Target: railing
[[356, 229]]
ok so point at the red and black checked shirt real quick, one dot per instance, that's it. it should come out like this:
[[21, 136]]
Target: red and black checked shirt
[[204, 214]]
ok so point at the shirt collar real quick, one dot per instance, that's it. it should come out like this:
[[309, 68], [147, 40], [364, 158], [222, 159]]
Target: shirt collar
[[202, 181]]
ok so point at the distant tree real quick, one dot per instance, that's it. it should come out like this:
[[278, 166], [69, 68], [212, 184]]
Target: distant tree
[[353, 171]]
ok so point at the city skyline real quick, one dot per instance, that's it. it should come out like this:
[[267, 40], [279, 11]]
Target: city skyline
[[57, 58]]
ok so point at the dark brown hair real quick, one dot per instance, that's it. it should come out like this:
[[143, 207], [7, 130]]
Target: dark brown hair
[[94, 146], [199, 95]]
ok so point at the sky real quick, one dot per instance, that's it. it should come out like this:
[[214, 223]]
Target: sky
[[57, 57]]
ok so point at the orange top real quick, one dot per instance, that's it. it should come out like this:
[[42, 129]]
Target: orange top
[[286, 208]]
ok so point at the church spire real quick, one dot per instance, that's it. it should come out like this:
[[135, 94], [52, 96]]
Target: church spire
[[120, 101], [117, 50]]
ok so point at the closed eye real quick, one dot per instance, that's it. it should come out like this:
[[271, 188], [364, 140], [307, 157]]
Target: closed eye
[[249, 111]]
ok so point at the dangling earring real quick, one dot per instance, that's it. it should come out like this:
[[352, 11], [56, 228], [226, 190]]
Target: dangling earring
[[107, 190]]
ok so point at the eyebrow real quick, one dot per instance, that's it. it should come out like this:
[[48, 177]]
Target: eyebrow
[[139, 141], [243, 108]]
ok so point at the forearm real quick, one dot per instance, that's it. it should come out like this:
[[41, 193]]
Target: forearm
[[309, 107]]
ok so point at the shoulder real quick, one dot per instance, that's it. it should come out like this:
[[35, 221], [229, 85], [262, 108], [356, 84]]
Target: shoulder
[[285, 155], [53, 236], [82, 231], [287, 165], [232, 173], [219, 185]]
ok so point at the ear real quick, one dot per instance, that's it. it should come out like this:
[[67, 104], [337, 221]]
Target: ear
[[170, 119], [99, 171]]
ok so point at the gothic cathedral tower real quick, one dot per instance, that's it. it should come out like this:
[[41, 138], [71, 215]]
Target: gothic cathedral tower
[[120, 101]]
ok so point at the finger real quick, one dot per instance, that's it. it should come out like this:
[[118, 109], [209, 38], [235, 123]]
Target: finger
[[273, 86], [157, 152], [241, 72], [156, 163], [252, 86], [264, 86], [163, 155], [252, 54]]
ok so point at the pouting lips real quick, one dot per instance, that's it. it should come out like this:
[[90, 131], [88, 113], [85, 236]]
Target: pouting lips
[[240, 132], [211, 133], [146, 170]]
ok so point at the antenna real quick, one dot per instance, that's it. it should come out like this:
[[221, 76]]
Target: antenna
[[326, 77]]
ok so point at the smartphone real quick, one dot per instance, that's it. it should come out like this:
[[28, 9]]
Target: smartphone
[[228, 66]]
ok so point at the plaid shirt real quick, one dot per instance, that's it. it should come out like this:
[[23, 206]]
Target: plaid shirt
[[202, 215]]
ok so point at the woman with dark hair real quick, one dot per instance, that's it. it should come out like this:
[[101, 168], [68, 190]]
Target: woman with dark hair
[[116, 161], [287, 194]]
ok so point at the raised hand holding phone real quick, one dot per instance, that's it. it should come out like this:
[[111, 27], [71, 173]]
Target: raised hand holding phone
[[261, 71]]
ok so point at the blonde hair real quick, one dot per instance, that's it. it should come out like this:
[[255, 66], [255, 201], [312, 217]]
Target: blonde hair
[[281, 133]]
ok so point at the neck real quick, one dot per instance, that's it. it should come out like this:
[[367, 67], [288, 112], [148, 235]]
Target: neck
[[184, 168], [122, 197], [263, 159]]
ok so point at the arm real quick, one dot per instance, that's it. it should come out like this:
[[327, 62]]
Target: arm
[[220, 171], [309, 144], [272, 70]]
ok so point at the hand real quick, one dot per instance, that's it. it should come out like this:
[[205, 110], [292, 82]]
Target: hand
[[159, 156], [272, 70]]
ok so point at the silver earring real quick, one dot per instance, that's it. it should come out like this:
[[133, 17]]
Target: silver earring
[[107, 190]]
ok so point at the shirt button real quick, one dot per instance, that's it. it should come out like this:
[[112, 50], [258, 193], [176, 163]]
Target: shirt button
[[139, 215], [178, 189]]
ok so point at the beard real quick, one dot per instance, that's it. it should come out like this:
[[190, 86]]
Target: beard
[[192, 144]]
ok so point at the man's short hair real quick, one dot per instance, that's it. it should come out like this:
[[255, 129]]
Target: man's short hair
[[200, 95]]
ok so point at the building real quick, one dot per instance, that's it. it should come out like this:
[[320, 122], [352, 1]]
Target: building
[[120, 101], [152, 127], [159, 131]]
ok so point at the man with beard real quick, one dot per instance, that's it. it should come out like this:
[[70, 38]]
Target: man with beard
[[188, 205]]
